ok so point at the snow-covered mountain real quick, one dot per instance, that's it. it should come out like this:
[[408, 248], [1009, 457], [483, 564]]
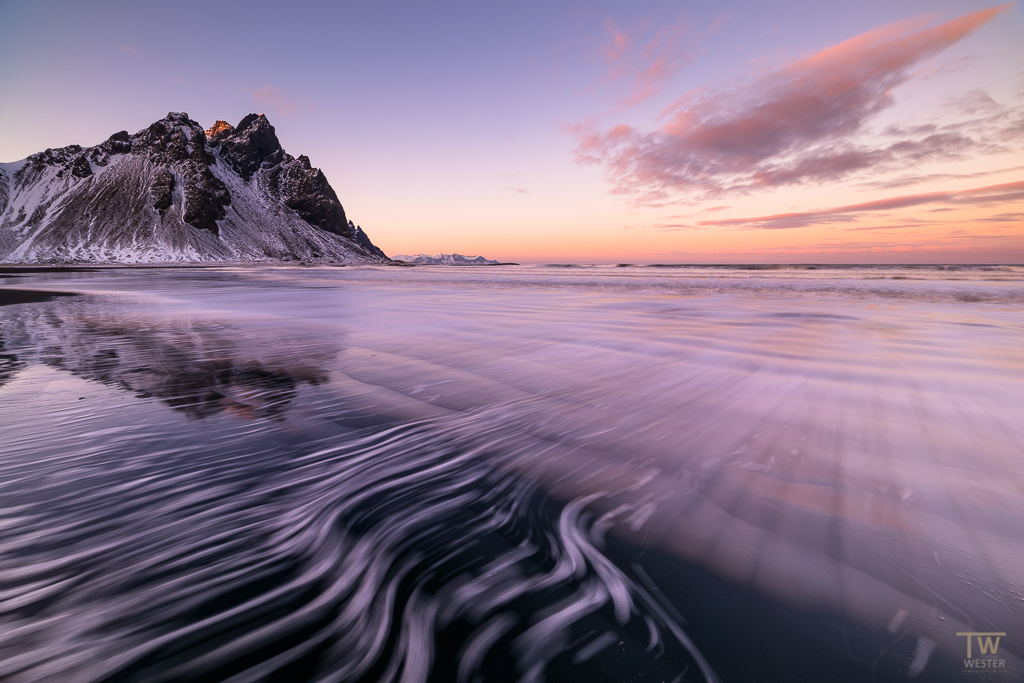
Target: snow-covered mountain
[[174, 192], [447, 260]]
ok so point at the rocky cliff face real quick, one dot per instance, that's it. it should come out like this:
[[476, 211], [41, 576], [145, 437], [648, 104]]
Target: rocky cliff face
[[174, 192]]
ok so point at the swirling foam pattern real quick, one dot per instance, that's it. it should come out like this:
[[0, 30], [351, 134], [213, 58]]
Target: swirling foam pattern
[[133, 549]]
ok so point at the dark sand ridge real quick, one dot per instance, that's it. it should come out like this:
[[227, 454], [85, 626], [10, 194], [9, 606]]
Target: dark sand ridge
[[9, 297]]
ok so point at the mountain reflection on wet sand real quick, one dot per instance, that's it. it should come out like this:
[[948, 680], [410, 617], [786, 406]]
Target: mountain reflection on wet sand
[[512, 474]]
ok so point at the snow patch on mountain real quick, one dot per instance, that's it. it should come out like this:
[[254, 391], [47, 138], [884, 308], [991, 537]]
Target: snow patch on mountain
[[447, 260]]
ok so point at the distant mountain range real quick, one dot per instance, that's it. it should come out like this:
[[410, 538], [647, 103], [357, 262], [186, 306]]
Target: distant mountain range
[[448, 260], [174, 192]]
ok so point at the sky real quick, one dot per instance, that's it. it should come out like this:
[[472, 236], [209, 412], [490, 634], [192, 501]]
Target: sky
[[585, 132]]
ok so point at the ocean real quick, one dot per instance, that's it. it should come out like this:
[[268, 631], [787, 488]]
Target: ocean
[[512, 473]]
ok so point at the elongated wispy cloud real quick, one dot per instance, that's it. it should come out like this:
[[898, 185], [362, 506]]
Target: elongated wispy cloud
[[649, 66], [275, 100], [797, 124], [992, 195]]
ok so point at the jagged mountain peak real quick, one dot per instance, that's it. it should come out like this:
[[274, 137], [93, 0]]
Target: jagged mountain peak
[[223, 193], [250, 145], [219, 129]]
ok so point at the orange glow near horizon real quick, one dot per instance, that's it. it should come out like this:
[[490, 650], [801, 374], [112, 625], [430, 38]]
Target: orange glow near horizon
[[977, 224], [845, 155]]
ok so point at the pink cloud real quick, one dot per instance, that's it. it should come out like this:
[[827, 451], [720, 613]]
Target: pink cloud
[[648, 67], [789, 125], [720, 21], [903, 181], [275, 100], [617, 42], [663, 55], [981, 197]]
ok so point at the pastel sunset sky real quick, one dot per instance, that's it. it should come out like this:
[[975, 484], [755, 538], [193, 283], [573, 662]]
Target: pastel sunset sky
[[642, 132]]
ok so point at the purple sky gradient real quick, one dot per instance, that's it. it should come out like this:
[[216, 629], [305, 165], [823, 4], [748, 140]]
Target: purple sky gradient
[[570, 131]]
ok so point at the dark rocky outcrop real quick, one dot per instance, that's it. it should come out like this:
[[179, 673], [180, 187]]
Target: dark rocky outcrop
[[70, 160], [162, 190], [305, 190], [205, 199], [252, 143], [218, 131], [363, 240], [118, 143], [80, 167], [5, 186], [180, 143]]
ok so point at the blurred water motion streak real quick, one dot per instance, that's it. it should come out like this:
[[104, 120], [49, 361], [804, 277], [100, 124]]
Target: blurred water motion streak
[[445, 475], [170, 558]]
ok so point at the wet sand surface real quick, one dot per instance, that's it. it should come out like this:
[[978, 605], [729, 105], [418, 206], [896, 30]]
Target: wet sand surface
[[511, 473], [10, 296]]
